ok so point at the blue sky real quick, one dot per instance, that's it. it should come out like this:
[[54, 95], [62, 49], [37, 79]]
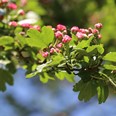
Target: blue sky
[[48, 100]]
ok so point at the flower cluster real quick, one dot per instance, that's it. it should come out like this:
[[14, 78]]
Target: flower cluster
[[86, 33], [62, 37], [10, 13]]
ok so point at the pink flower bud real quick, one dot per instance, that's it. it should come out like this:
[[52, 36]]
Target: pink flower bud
[[74, 29], [66, 39], [95, 31], [81, 35], [57, 50], [45, 54], [21, 12], [13, 24], [52, 50], [12, 6], [59, 45], [99, 36], [60, 27], [58, 35], [84, 30], [98, 26], [26, 25]]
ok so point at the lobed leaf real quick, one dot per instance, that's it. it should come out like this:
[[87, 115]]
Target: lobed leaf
[[40, 39], [86, 90], [89, 89]]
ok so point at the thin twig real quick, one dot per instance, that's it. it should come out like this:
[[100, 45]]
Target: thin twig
[[110, 80]]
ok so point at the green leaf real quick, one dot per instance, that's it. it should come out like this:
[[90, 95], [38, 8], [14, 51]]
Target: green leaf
[[60, 75], [40, 39], [86, 59], [40, 57], [86, 90], [85, 43], [30, 75], [89, 89], [109, 67], [102, 92], [69, 77], [110, 57], [38, 69], [63, 74], [5, 77], [74, 40], [11, 67], [56, 59], [5, 40], [81, 51], [18, 30], [99, 48], [45, 77], [78, 86], [21, 40]]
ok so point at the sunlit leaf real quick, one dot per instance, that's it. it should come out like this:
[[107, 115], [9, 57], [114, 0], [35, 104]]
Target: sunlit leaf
[[110, 57], [84, 43], [32, 74], [5, 40], [56, 59], [99, 48], [45, 77], [63, 74], [74, 40], [109, 67], [86, 59], [40, 39], [21, 40]]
